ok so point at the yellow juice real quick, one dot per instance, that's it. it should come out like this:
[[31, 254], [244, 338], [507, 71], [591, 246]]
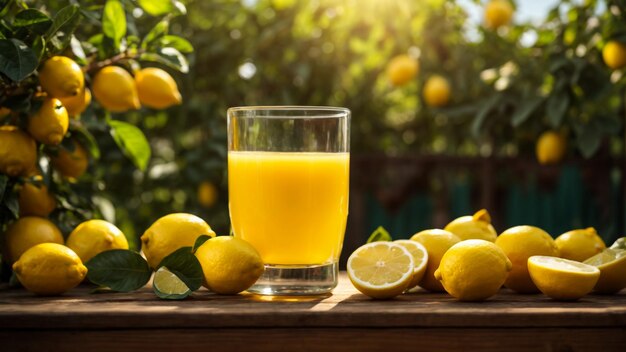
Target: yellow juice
[[292, 207]]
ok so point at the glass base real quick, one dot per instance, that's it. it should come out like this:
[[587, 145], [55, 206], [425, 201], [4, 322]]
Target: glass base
[[296, 280]]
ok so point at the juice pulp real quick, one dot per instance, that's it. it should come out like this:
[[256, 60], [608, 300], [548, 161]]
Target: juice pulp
[[292, 207]]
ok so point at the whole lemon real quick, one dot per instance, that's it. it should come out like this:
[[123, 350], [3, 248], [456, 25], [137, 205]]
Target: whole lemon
[[402, 69], [520, 243], [114, 88], [230, 265], [614, 54], [579, 244], [49, 269], [436, 91], [473, 270], [477, 226], [156, 88], [26, 232], [50, 123], [170, 233], [92, 237], [498, 13], [77, 104], [71, 164], [436, 242], [18, 152], [551, 148], [61, 77], [34, 199], [207, 194]]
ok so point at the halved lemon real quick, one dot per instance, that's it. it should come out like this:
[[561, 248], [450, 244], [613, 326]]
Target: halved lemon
[[612, 265], [562, 279], [420, 259], [620, 243], [381, 269], [168, 286]]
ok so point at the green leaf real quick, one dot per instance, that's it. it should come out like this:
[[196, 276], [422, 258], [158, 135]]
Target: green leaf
[[156, 7], [11, 202], [589, 140], [483, 112], [4, 3], [39, 47], [380, 234], [157, 32], [181, 9], [528, 107], [14, 281], [114, 20], [184, 264], [556, 107], [4, 179], [121, 270], [609, 124], [176, 42], [65, 23], [169, 57], [77, 50], [17, 60], [132, 142], [33, 20], [87, 140], [199, 242]]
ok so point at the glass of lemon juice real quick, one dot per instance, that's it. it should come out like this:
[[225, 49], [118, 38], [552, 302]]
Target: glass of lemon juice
[[288, 180]]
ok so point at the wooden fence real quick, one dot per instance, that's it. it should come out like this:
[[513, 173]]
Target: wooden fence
[[410, 193]]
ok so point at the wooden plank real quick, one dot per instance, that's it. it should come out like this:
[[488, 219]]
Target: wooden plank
[[345, 308], [321, 339]]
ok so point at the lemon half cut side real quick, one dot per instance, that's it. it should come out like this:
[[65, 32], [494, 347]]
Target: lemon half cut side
[[562, 279], [381, 269]]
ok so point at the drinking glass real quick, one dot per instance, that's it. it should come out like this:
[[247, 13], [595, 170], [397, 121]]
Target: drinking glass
[[288, 180]]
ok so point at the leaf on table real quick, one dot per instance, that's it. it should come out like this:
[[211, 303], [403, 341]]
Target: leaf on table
[[199, 242], [379, 235], [121, 270], [184, 264]]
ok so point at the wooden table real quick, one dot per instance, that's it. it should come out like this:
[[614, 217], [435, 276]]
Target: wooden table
[[344, 321]]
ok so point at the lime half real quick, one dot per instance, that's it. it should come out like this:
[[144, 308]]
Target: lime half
[[168, 286]]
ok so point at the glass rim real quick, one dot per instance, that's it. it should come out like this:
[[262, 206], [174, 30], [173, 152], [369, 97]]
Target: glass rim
[[339, 111]]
